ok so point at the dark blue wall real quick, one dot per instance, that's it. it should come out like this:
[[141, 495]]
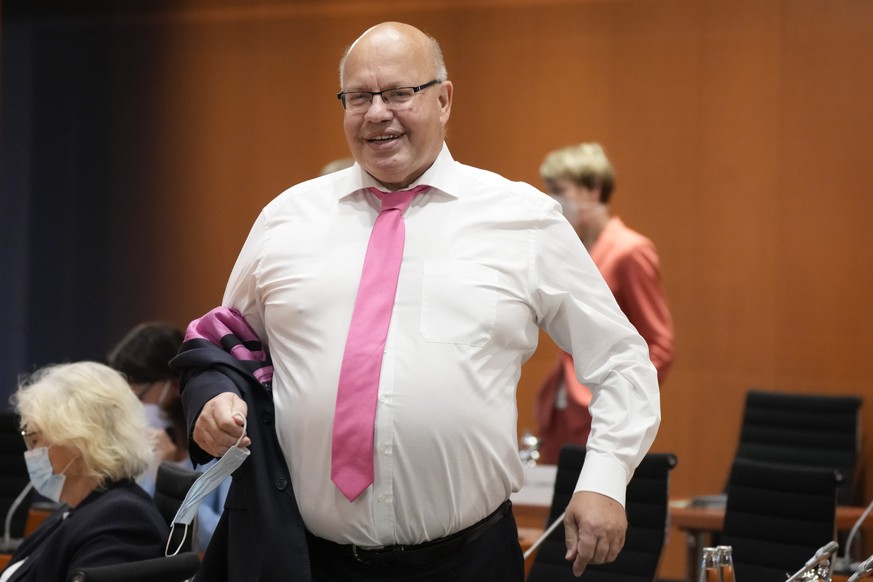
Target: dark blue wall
[[54, 186]]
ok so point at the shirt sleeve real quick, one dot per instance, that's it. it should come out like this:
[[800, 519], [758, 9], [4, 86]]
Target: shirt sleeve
[[241, 292], [576, 308]]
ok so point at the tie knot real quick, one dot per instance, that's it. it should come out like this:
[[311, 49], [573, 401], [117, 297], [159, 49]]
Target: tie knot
[[400, 199]]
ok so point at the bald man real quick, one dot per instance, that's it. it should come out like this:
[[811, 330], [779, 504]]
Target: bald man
[[486, 263]]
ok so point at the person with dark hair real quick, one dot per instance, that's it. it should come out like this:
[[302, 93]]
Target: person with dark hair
[[143, 357]]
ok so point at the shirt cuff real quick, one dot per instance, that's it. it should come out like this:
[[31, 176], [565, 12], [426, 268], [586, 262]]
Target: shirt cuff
[[604, 475]]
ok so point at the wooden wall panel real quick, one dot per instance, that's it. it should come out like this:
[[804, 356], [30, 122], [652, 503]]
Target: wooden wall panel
[[740, 131]]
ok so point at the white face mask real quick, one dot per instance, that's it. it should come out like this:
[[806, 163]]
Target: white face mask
[[42, 475], [156, 417], [205, 484]]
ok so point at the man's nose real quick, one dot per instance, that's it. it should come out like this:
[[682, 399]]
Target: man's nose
[[378, 109]]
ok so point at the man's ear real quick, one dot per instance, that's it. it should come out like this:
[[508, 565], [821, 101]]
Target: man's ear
[[445, 99]]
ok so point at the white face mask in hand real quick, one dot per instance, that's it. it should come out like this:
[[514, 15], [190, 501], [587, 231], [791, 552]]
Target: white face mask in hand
[[42, 474], [205, 484]]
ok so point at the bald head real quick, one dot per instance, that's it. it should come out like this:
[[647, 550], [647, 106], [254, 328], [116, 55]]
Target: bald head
[[401, 38]]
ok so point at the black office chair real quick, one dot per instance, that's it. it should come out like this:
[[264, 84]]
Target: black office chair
[[647, 511], [13, 473], [804, 430], [777, 516], [171, 487], [178, 568]]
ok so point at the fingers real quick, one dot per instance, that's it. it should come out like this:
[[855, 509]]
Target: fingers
[[220, 424], [582, 546], [591, 549], [239, 418], [573, 543], [594, 530], [614, 549]]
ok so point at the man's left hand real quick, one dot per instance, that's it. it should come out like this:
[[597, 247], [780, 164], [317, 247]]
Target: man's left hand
[[594, 530]]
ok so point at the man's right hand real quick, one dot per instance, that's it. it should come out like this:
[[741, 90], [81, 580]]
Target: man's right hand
[[220, 425]]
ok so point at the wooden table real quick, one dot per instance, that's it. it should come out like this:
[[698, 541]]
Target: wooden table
[[711, 519]]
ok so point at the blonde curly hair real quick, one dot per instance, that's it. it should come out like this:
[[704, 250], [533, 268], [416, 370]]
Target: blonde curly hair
[[90, 407]]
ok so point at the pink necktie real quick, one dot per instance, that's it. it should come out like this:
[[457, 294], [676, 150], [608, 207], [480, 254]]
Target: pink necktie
[[352, 447]]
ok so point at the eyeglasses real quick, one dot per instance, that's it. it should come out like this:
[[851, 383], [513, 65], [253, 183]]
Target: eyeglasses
[[30, 440], [395, 98]]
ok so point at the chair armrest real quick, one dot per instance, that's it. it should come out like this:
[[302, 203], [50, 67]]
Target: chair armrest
[[164, 569]]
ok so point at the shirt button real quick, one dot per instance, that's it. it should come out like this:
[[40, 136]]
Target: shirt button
[[281, 484], [381, 499]]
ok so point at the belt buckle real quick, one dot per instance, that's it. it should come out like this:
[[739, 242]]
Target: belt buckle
[[375, 556]]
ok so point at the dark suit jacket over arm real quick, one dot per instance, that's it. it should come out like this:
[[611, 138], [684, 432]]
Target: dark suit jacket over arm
[[260, 536]]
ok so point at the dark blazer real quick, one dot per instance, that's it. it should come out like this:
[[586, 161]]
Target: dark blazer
[[112, 526], [260, 535]]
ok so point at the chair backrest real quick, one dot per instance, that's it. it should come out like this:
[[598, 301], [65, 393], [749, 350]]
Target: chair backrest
[[777, 516], [804, 430], [647, 511], [171, 487], [178, 568], [13, 472]]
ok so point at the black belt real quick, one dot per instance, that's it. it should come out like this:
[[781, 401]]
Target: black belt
[[415, 555]]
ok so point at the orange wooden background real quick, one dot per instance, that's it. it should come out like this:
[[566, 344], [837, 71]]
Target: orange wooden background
[[741, 131]]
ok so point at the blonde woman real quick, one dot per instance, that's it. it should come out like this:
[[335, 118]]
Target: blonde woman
[[84, 428], [582, 179]]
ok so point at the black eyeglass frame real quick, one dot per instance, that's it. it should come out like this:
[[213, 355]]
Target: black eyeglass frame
[[342, 94]]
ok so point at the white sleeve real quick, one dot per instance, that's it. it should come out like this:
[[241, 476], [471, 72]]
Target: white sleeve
[[242, 290], [576, 308]]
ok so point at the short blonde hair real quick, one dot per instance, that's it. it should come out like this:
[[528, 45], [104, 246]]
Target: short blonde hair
[[90, 407], [584, 164]]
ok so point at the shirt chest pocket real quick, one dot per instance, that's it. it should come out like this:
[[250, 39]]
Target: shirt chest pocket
[[459, 302]]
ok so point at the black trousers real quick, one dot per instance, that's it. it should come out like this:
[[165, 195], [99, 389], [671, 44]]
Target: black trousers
[[494, 556]]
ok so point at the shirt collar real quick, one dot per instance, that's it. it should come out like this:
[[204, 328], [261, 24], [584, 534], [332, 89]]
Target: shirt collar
[[440, 176]]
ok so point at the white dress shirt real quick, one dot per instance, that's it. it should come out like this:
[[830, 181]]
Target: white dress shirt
[[486, 262]]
